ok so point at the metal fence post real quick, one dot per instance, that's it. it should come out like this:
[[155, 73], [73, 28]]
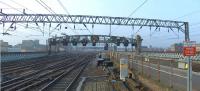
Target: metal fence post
[[142, 65], [189, 73], [171, 75], [149, 68], [189, 82], [158, 64]]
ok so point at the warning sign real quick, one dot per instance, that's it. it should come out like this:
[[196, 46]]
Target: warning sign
[[189, 51], [189, 48]]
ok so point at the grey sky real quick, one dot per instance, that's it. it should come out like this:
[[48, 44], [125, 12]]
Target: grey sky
[[182, 10]]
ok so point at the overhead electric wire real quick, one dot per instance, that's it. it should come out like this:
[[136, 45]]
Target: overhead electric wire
[[13, 8], [10, 6], [32, 28], [188, 14], [48, 7], [17, 10], [194, 24], [44, 6], [50, 10], [23, 32], [134, 11], [21, 5], [64, 8]]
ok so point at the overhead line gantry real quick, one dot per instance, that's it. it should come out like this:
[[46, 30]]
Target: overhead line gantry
[[87, 19]]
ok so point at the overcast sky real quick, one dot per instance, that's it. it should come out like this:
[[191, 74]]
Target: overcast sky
[[181, 10]]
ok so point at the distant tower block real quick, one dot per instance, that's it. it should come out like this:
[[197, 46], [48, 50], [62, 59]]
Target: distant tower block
[[123, 68], [138, 44]]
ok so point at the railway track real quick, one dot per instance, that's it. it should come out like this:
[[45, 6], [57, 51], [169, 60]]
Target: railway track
[[48, 76], [25, 67], [6, 66], [14, 64], [30, 68], [19, 63], [65, 81], [28, 77]]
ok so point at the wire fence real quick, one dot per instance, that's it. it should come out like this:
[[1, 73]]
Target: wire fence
[[164, 71]]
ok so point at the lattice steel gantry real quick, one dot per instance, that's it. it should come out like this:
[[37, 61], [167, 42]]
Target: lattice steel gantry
[[86, 19]]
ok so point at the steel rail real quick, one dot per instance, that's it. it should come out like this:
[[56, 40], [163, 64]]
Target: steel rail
[[27, 75], [74, 66], [20, 83], [24, 82]]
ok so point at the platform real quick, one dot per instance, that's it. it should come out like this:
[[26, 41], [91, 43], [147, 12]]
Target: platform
[[94, 79], [97, 86]]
